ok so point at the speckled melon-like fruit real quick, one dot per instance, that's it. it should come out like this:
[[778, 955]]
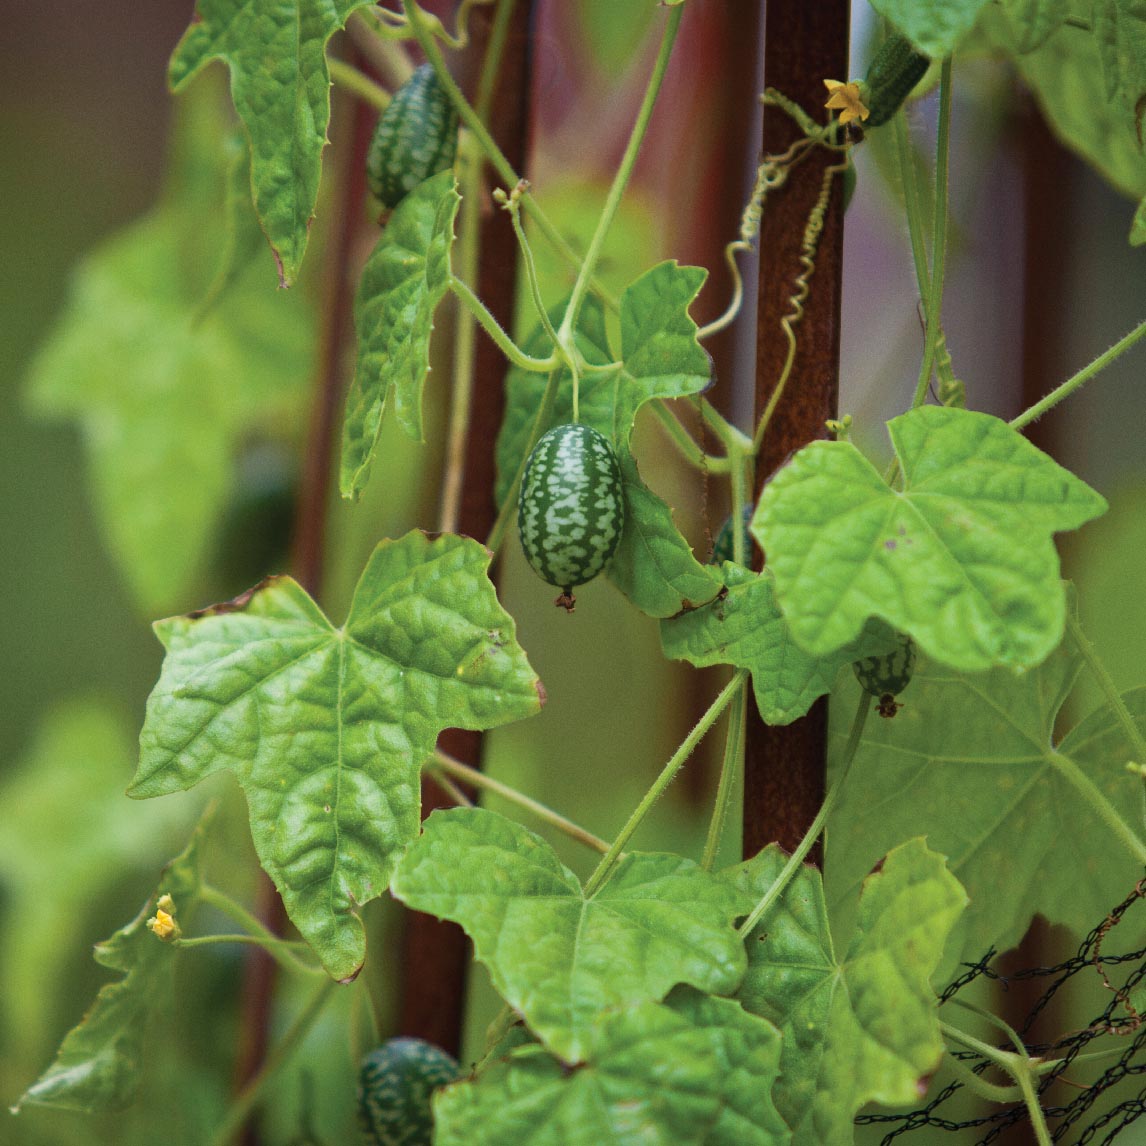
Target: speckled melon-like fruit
[[571, 508], [395, 1084], [889, 674], [416, 137], [723, 546]]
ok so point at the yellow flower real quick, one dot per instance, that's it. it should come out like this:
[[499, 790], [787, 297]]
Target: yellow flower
[[846, 98], [163, 926]]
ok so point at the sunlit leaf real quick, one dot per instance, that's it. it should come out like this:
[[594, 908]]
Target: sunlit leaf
[[403, 281], [935, 27], [327, 728], [555, 955], [863, 1026], [962, 560], [1035, 21], [99, 1062], [744, 627], [276, 53]]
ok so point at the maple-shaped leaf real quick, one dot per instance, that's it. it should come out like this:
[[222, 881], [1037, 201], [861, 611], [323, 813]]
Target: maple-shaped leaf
[[280, 83], [972, 762], [327, 728], [99, 1063], [558, 956], [164, 391], [962, 560], [860, 1022]]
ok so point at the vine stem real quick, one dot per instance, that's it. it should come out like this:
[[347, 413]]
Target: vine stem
[[469, 775], [676, 762], [350, 79], [685, 443], [1077, 380], [621, 179], [934, 300], [493, 328], [465, 331], [246, 1100], [1099, 804], [1109, 688], [729, 768], [493, 153], [817, 826], [281, 950], [257, 931]]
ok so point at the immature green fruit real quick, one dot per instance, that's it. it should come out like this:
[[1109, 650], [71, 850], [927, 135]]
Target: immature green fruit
[[723, 548], [416, 137], [571, 510], [395, 1084], [895, 70], [885, 677]]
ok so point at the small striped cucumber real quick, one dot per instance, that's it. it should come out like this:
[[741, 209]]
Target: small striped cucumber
[[895, 69], [571, 507], [416, 137], [395, 1085], [885, 677], [723, 548]]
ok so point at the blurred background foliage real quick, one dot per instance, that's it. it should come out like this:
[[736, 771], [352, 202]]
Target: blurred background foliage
[[147, 484]]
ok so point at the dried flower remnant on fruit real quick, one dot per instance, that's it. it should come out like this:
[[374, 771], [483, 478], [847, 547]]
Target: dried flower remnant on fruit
[[845, 98]]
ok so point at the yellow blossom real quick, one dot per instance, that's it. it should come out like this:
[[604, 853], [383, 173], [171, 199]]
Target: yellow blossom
[[846, 98], [162, 925]]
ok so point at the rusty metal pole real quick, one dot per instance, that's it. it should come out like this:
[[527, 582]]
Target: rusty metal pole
[[804, 44], [435, 952]]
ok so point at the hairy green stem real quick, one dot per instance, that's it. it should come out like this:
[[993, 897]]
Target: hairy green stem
[[258, 932], [1074, 382], [493, 328], [1100, 805], [248, 1098], [493, 153], [358, 83], [468, 775], [668, 773], [685, 443], [281, 950], [730, 767], [624, 173], [1109, 689], [789, 870], [934, 299], [991, 1091]]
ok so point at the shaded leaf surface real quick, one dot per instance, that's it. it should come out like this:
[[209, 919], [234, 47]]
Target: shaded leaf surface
[[280, 84], [962, 560], [327, 728], [935, 27], [862, 1027], [970, 761], [558, 957], [99, 1062], [402, 283], [744, 628], [164, 392], [697, 1070]]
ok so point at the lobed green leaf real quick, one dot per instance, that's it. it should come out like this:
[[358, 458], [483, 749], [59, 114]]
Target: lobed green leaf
[[99, 1062], [404, 279], [971, 762], [744, 627], [327, 728], [556, 956], [860, 1028], [935, 27], [280, 84], [962, 560]]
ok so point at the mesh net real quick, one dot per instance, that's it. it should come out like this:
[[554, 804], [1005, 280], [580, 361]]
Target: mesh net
[[1119, 1091]]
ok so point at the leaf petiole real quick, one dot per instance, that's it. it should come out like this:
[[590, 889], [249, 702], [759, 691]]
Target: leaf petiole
[[350, 79], [730, 768], [493, 328]]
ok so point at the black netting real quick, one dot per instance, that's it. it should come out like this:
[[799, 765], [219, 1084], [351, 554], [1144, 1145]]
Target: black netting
[[1120, 1082]]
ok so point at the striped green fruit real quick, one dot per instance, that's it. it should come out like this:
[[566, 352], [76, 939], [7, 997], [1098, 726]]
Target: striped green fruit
[[895, 69], [395, 1085], [571, 507], [890, 674], [416, 137], [724, 547]]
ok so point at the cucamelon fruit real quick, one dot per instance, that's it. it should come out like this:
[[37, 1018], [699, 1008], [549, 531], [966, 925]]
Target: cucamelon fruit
[[895, 69], [723, 548], [886, 676], [395, 1085], [416, 137], [571, 507]]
